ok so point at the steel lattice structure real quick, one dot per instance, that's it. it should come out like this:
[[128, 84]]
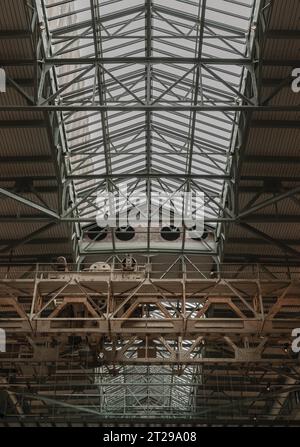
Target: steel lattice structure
[[137, 94], [149, 149], [150, 96], [150, 343], [161, 96]]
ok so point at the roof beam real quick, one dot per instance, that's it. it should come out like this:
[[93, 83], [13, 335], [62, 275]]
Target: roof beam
[[269, 259], [36, 241], [257, 241], [8, 124], [174, 106], [153, 60], [278, 124], [18, 242], [149, 175], [271, 159], [120, 13], [254, 189], [273, 218], [284, 247], [35, 189], [283, 34], [281, 62], [22, 82], [275, 199], [273, 82], [15, 34], [263, 178], [248, 178], [29, 203], [26, 159], [129, 60], [9, 259], [257, 218]]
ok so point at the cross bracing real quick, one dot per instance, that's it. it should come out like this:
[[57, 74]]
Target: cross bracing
[[139, 55], [72, 99], [183, 112], [94, 347]]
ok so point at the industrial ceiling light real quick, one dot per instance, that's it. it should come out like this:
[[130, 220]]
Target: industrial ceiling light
[[96, 233], [170, 233], [125, 233]]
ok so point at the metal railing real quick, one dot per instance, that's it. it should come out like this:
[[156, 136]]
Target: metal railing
[[187, 270]]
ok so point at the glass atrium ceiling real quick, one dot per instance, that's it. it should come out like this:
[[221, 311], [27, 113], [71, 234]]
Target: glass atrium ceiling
[[143, 68], [140, 59], [148, 391]]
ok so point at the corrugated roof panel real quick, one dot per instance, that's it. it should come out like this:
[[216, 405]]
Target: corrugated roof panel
[[19, 145], [279, 230], [273, 141], [285, 14], [24, 169], [21, 141], [272, 169], [13, 15], [284, 207], [41, 249], [16, 49], [282, 49], [245, 249], [20, 229]]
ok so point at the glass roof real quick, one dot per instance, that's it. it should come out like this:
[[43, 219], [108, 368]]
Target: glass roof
[[147, 391], [140, 58]]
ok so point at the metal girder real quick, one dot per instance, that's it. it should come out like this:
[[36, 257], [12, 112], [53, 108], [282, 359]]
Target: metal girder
[[149, 175], [25, 159], [284, 247], [154, 60], [175, 106], [15, 34], [37, 189], [271, 178], [288, 159], [29, 203], [258, 218], [128, 60], [142, 302], [275, 199], [274, 82], [136, 327], [256, 241], [7, 124], [248, 178], [222, 324], [283, 34], [38, 241], [276, 260], [12, 244], [276, 124], [33, 257], [21, 82]]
